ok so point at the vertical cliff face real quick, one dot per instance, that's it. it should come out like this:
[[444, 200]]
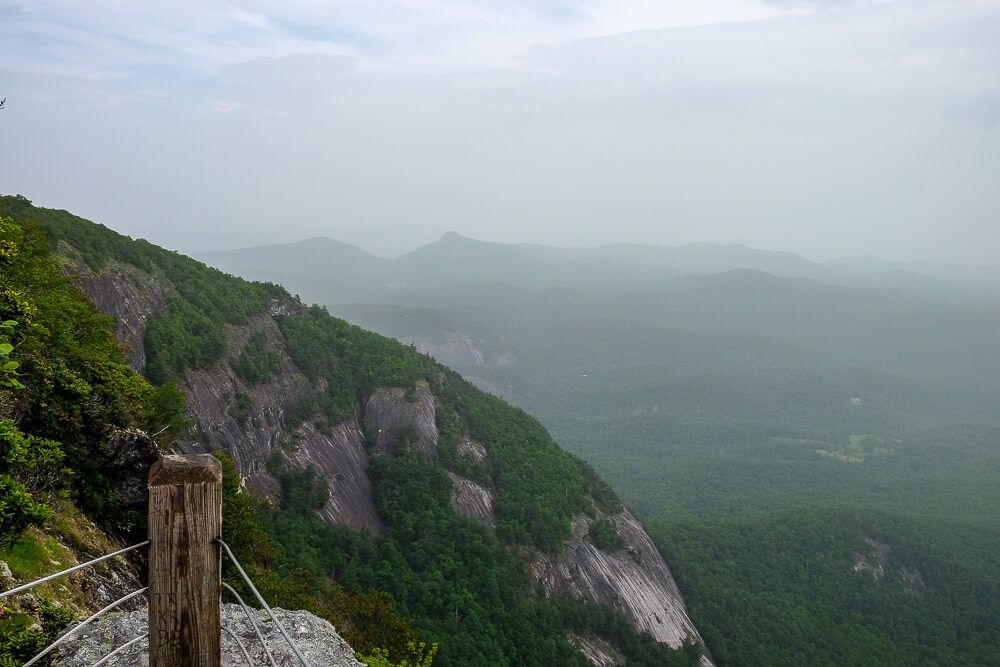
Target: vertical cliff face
[[250, 420], [392, 415], [131, 297], [245, 418], [472, 500], [341, 457], [634, 579]]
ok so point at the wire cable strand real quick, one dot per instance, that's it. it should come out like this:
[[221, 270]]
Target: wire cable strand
[[240, 644], [120, 649], [79, 626], [253, 622], [253, 589], [21, 589]]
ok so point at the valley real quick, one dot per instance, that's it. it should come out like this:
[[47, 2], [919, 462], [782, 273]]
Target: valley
[[769, 426]]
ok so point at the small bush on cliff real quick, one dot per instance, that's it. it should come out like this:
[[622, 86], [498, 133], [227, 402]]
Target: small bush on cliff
[[422, 656], [257, 361], [605, 536]]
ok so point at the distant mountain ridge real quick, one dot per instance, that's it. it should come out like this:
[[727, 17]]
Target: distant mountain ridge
[[323, 263]]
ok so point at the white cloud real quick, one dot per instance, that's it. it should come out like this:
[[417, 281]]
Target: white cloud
[[390, 36]]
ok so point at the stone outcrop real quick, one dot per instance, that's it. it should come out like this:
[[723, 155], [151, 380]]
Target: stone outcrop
[[471, 449], [131, 297], [599, 652], [243, 418], [315, 638], [456, 349], [472, 500], [635, 580], [340, 457], [876, 560], [249, 421], [393, 415]]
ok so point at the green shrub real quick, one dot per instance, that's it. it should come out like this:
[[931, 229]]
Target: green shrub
[[605, 536]]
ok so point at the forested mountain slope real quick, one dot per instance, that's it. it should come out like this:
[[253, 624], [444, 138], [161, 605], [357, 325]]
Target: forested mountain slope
[[381, 470], [814, 513], [820, 461]]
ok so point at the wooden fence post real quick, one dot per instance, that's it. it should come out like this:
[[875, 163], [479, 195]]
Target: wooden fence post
[[185, 519]]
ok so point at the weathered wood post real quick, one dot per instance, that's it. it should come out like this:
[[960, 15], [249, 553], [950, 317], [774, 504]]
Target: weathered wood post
[[185, 519]]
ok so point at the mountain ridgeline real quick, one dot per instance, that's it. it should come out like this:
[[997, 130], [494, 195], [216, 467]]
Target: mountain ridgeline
[[385, 492]]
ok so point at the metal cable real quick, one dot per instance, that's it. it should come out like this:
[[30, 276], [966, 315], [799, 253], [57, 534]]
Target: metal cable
[[25, 587], [240, 644], [118, 650], [253, 622], [260, 599], [76, 628]]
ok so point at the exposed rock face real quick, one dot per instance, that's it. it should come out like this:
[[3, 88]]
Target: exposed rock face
[[472, 449], [391, 415], [132, 298], [457, 349], [108, 582], [129, 451], [472, 500], [245, 419], [876, 562], [635, 580], [285, 307], [341, 458], [598, 651], [315, 638], [215, 396]]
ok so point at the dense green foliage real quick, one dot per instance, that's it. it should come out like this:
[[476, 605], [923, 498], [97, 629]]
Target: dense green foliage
[[351, 360], [76, 391], [455, 577], [23, 635], [764, 489], [72, 416], [258, 360], [541, 487], [763, 453], [29, 466], [182, 337], [367, 619], [750, 572], [604, 535], [190, 332]]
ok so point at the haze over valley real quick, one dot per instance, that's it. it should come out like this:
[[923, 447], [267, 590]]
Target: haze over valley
[[771, 416]]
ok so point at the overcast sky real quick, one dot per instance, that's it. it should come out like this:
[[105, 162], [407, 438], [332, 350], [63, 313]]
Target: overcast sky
[[825, 127]]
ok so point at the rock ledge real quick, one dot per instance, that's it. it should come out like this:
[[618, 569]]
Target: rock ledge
[[314, 637]]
